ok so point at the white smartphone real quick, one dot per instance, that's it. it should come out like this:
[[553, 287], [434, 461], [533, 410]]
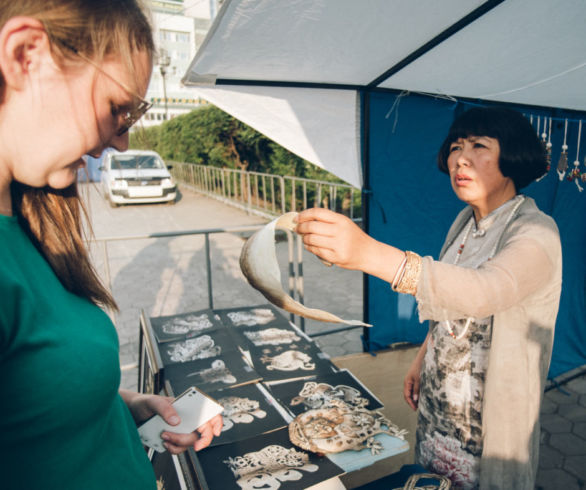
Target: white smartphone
[[194, 408]]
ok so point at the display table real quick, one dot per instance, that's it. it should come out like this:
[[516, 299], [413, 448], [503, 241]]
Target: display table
[[265, 374]]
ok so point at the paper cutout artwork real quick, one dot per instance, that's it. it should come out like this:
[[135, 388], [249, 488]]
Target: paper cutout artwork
[[258, 262]]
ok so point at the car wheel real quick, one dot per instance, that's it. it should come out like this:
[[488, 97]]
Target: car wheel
[[113, 204]]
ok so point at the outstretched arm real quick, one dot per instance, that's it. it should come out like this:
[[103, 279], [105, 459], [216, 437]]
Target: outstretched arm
[[337, 239]]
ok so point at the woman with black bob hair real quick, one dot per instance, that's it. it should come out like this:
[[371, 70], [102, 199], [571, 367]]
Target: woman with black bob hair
[[522, 156], [491, 300]]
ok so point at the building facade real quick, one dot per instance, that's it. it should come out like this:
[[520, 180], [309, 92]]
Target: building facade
[[179, 29]]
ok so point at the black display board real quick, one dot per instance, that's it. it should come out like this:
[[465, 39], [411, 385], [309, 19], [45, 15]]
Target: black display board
[[266, 461]]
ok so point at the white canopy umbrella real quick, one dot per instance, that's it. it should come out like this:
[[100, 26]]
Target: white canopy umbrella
[[296, 70]]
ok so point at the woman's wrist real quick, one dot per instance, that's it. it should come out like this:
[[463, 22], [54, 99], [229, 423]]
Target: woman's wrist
[[131, 398], [382, 260], [128, 395], [407, 277]]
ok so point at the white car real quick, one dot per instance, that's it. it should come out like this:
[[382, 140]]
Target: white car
[[136, 176]]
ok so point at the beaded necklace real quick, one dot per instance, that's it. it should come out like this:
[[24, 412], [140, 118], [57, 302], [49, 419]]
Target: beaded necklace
[[520, 198]]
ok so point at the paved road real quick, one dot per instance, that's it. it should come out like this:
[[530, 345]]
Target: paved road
[[165, 276]]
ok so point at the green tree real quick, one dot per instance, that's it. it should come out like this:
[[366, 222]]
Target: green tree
[[210, 136]]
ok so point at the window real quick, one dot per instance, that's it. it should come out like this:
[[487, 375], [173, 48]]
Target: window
[[165, 35], [174, 36]]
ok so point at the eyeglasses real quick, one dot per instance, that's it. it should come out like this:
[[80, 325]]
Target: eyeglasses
[[130, 117]]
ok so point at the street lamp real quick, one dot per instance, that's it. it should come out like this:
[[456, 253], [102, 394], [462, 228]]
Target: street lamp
[[164, 62]]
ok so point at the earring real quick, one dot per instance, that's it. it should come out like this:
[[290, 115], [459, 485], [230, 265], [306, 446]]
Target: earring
[[563, 161], [546, 148], [575, 174]]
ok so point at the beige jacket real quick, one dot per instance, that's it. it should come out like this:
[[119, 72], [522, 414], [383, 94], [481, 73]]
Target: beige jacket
[[521, 288]]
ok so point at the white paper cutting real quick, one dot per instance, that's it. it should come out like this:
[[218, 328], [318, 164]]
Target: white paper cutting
[[258, 261]]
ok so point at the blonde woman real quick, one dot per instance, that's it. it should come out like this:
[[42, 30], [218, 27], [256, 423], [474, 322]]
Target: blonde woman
[[73, 74]]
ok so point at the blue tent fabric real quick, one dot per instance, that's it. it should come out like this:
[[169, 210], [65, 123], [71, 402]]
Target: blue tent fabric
[[411, 205]]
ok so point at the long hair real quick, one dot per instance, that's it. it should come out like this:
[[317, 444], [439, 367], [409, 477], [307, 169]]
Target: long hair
[[53, 219]]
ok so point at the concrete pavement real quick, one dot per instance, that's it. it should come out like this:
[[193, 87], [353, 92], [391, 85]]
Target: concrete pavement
[[165, 276]]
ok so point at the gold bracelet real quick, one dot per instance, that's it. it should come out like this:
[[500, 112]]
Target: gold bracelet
[[399, 274], [410, 279]]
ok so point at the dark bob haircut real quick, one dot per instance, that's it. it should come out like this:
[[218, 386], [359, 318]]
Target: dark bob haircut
[[522, 154]]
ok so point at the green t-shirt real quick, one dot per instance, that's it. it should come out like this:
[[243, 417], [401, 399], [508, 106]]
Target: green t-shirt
[[63, 424]]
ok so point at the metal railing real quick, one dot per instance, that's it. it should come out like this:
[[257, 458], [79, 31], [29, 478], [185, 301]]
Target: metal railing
[[268, 195], [104, 241], [295, 264]]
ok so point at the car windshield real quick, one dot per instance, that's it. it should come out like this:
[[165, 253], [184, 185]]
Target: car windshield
[[136, 161]]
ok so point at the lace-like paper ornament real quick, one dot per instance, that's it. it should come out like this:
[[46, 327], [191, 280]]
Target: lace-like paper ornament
[[290, 360], [191, 349], [316, 395], [257, 316], [338, 427], [191, 323], [216, 373], [238, 410], [269, 467], [271, 336]]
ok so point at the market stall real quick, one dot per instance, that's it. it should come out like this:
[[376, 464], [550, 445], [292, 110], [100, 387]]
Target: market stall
[[367, 91]]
